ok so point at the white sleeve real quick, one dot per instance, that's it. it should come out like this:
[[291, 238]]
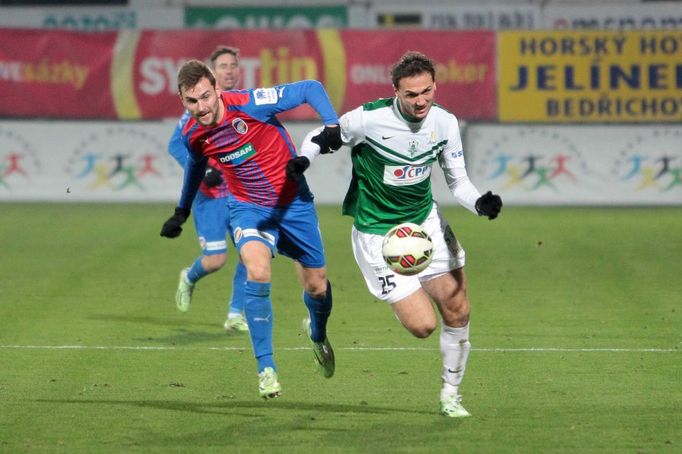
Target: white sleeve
[[308, 148], [462, 188], [353, 127], [451, 160]]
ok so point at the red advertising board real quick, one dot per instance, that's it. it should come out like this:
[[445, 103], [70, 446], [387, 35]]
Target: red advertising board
[[131, 74], [55, 74], [465, 62], [266, 58]]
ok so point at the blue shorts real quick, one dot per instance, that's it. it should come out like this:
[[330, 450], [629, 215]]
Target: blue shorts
[[211, 217], [293, 230]]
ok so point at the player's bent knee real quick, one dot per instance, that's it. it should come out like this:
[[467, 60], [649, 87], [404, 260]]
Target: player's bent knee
[[422, 331], [317, 289], [213, 263], [420, 327], [315, 282], [258, 273]]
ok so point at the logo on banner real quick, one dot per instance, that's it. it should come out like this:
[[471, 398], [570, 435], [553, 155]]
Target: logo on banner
[[532, 159], [652, 161], [121, 158], [18, 160]]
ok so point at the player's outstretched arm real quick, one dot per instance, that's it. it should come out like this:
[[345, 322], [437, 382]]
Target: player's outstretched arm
[[467, 195], [194, 173], [177, 147]]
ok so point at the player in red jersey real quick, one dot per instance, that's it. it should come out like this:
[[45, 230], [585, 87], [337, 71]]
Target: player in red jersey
[[271, 205], [210, 209]]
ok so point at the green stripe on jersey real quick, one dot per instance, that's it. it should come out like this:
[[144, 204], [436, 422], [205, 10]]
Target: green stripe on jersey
[[431, 153], [377, 104], [378, 206]]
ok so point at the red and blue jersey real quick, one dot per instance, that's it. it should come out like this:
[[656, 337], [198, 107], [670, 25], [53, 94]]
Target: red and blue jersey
[[178, 149], [250, 144]]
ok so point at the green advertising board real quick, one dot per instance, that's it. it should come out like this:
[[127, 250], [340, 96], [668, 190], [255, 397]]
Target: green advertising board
[[266, 17]]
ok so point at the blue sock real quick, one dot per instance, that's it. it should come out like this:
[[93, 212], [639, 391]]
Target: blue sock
[[196, 271], [319, 311], [258, 309], [236, 305]]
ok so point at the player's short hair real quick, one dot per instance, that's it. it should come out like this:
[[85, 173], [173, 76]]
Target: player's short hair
[[191, 72], [222, 50], [411, 64]]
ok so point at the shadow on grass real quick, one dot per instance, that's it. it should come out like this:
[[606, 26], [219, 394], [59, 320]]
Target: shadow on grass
[[228, 408], [180, 335], [187, 337], [159, 321]]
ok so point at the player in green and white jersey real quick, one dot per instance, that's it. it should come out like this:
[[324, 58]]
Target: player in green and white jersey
[[395, 143]]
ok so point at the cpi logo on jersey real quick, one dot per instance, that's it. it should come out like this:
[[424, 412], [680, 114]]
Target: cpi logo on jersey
[[405, 175]]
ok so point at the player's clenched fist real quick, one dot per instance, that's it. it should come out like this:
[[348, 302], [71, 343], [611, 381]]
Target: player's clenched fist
[[296, 166], [172, 227], [329, 139], [489, 204]]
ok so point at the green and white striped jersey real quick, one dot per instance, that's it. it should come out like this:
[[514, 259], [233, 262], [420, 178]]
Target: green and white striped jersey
[[392, 162]]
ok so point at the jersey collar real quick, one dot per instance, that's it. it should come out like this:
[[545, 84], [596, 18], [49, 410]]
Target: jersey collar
[[399, 113]]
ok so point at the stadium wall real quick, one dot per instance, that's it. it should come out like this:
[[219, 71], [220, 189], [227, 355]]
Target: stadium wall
[[554, 117], [111, 161]]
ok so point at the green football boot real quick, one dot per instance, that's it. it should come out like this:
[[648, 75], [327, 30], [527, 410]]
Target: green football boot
[[324, 354], [268, 386], [183, 296], [451, 406], [237, 323]]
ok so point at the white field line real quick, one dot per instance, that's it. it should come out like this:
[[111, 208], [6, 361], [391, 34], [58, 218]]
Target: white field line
[[248, 347]]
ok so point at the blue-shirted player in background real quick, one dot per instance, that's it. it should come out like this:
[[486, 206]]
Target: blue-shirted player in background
[[271, 206], [210, 208]]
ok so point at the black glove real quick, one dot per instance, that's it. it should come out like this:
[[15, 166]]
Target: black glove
[[171, 228], [296, 166], [213, 177], [489, 204], [329, 139]]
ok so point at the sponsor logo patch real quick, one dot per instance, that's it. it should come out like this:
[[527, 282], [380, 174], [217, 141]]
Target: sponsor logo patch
[[238, 156], [405, 175], [240, 126], [265, 96]]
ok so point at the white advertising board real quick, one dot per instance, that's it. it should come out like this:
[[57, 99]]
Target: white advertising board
[[87, 161], [577, 165], [64, 161], [92, 18], [495, 16], [528, 165], [614, 17]]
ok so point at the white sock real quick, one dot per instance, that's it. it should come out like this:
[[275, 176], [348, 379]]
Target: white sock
[[454, 348]]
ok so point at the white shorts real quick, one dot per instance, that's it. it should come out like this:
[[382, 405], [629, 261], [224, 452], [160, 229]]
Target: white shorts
[[388, 286]]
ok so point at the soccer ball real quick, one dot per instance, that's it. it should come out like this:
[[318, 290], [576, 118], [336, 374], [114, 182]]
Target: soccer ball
[[407, 249]]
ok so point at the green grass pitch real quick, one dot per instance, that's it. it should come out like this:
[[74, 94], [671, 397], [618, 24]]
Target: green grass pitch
[[576, 333]]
